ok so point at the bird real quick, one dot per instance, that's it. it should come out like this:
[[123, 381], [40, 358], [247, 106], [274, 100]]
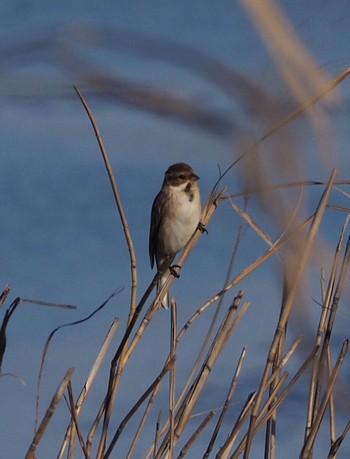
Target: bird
[[175, 216]]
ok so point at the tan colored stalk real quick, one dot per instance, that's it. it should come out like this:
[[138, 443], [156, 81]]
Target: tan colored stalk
[[87, 387], [307, 448], [184, 412], [31, 454], [268, 408], [118, 201], [322, 326], [223, 413], [196, 434], [301, 264], [71, 452], [143, 421], [172, 380]]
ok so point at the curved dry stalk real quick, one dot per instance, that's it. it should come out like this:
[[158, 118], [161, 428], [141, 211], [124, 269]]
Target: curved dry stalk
[[118, 201], [47, 344], [4, 324], [11, 309], [31, 454], [289, 301]]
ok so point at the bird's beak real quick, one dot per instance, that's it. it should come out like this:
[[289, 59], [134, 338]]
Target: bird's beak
[[194, 177]]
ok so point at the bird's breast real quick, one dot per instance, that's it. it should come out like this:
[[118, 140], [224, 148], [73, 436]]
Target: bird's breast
[[182, 218]]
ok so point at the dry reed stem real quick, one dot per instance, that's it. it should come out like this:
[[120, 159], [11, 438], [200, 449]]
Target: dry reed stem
[[48, 304], [156, 436], [118, 202], [320, 333], [201, 353], [336, 445], [326, 298], [5, 321], [71, 405], [308, 445], [120, 356], [31, 454], [296, 65], [185, 392], [229, 396], [276, 248], [269, 408], [113, 386], [331, 405], [136, 407], [47, 344], [196, 434], [172, 380], [11, 309], [250, 221], [225, 449], [284, 186], [301, 264], [216, 313], [256, 228], [285, 121], [70, 432], [270, 433], [143, 421], [112, 392], [327, 335], [185, 410], [4, 295]]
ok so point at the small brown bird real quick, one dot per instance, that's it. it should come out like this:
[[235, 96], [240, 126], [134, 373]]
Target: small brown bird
[[175, 216]]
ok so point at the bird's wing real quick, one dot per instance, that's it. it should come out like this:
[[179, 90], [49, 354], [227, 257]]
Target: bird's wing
[[156, 218]]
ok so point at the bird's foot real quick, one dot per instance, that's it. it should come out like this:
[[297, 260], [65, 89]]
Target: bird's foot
[[173, 271], [202, 228]]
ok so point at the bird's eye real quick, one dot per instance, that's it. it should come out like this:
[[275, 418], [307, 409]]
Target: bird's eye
[[182, 177]]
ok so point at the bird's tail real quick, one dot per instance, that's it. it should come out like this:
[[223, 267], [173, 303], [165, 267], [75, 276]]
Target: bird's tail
[[165, 300]]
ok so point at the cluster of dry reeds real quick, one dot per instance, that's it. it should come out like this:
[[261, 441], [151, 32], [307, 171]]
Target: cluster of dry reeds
[[260, 409], [294, 246]]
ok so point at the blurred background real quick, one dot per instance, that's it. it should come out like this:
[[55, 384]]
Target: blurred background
[[198, 82]]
